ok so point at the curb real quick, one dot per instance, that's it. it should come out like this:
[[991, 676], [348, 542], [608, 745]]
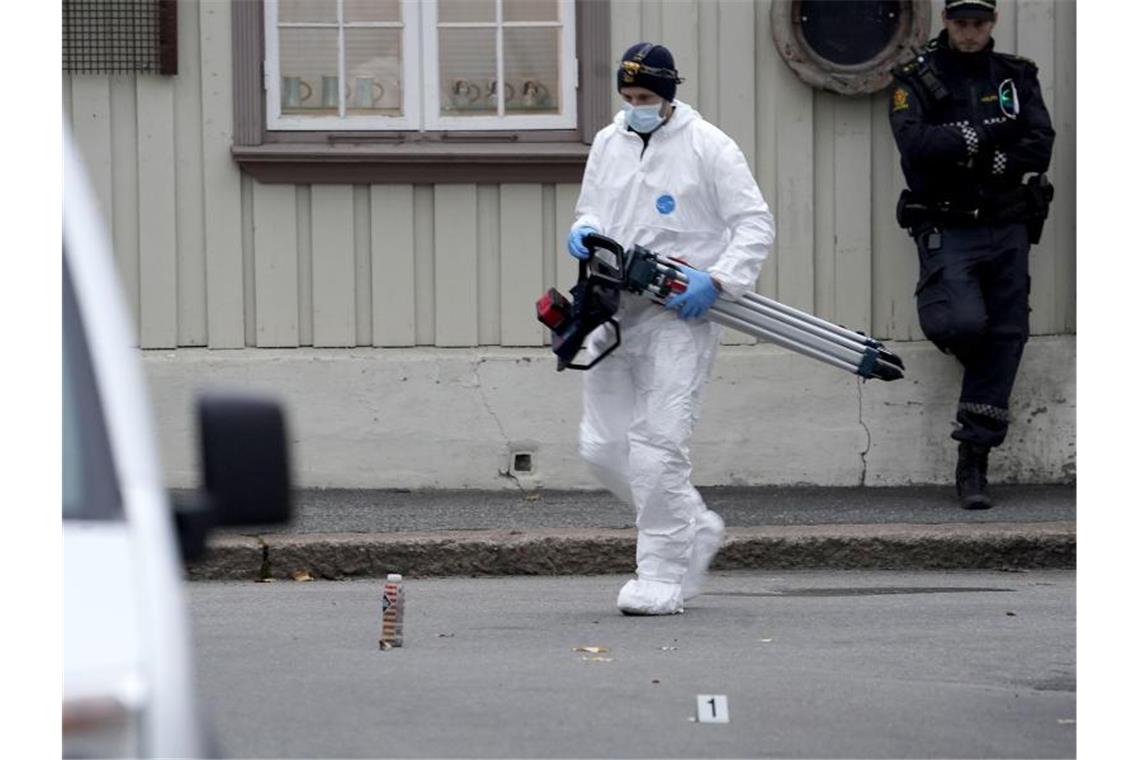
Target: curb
[[605, 551]]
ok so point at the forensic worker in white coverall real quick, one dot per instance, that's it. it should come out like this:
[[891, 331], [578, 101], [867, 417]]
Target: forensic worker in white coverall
[[662, 177]]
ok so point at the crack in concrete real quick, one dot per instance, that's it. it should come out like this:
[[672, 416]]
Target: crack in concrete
[[863, 454], [498, 423]]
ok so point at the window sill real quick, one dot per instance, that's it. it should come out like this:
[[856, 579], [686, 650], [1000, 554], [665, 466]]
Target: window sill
[[422, 163]]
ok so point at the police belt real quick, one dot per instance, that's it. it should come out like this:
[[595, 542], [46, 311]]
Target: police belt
[[1025, 203]]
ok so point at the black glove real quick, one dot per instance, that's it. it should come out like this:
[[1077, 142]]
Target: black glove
[[999, 133]]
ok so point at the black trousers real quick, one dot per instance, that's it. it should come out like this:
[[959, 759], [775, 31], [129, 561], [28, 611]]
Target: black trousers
[[973, 302]]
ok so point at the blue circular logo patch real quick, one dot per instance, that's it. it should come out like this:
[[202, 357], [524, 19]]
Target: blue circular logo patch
[[666, 203]]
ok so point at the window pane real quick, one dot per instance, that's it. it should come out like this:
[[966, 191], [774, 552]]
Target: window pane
[[294, 11], [531, 68], [90, 485], [373, 65], [309, 71], [467, 72], [467, 10], [530, 10], [371, 10]]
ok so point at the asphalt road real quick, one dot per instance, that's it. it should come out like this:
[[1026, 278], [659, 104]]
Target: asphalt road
[[813, 664], [366, 511]]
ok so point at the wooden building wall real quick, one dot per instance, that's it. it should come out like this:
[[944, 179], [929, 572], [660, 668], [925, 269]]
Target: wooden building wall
[[211, 258]]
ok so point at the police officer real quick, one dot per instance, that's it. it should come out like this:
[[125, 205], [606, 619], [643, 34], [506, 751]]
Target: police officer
[[975, 140]]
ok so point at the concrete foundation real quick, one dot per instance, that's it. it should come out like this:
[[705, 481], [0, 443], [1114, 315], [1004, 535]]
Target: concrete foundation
[[495, 418]]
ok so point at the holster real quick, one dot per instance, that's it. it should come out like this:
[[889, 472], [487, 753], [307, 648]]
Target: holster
[[1027, 203], [1040, 194]]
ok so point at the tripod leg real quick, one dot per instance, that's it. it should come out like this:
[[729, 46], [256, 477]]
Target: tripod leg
[[867, 363], [751, 311], [751, 329], [775, 309]]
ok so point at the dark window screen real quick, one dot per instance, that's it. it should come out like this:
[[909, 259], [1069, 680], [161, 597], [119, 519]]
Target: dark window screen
[[120, 36], [851, 32]]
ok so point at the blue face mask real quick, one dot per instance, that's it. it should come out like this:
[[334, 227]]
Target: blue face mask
[[643, 119]]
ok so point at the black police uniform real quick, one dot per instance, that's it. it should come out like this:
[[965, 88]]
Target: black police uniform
[[972, 217]]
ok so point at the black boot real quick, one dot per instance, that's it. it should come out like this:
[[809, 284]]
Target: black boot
[[970, 476]]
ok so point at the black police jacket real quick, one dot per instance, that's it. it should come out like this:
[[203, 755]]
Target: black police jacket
[[957, 146]]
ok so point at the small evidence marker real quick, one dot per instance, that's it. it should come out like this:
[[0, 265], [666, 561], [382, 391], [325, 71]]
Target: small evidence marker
[[712, 708]]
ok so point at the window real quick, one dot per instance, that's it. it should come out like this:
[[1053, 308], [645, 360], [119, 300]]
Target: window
[[366, 91], [848, 47], [427, 65], [526, 44], [314, 45]]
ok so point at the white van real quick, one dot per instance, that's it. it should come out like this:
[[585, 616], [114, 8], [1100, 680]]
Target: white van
[[128, 681]]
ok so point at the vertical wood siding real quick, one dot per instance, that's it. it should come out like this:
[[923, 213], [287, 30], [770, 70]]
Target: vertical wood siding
[[125, 188], [222, 190], [456, 265], [189, 189], [211, 258], [158, 214], [392, 243]]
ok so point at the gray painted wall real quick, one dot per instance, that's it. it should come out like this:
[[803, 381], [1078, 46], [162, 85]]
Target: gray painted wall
[[212, 259]]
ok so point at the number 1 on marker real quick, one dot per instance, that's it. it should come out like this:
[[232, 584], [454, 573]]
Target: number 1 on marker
[[712, 708]]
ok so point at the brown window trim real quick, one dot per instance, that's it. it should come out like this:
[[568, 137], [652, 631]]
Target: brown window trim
[[425, 157]]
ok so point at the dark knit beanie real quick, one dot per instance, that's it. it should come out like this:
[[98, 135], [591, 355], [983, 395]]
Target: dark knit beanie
[[649, 66]]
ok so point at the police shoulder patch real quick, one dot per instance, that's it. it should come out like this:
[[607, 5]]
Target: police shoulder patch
[[900, 101]]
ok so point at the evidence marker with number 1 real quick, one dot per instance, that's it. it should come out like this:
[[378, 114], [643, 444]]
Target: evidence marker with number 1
[[712, 708]]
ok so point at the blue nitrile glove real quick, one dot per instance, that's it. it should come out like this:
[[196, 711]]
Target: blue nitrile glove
[[574, 242], [699, 295]]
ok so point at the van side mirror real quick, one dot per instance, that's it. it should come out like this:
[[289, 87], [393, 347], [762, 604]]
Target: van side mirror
[[244, 459]]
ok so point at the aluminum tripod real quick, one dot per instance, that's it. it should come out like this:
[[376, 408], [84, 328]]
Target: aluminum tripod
[[611, 270], [772, 321]]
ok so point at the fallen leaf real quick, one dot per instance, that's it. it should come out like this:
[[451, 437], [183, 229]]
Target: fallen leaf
[[655, 680], [1011, 614], [302, 575], [445, 635], [533, 496], [591, 650]]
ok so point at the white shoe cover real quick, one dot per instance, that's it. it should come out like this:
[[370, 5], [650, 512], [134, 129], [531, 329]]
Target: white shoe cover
[[706, 543], [644, 597]]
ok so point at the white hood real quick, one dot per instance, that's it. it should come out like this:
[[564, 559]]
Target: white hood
[[688, 194]]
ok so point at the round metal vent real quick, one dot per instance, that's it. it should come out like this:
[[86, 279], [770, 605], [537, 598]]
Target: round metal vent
[[848, 47]]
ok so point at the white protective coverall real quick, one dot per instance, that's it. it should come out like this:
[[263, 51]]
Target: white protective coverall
[[689, 195]]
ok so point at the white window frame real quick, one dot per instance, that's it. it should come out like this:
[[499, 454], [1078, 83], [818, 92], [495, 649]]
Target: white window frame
[[420, 41], [409, 73], [567, 65]]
